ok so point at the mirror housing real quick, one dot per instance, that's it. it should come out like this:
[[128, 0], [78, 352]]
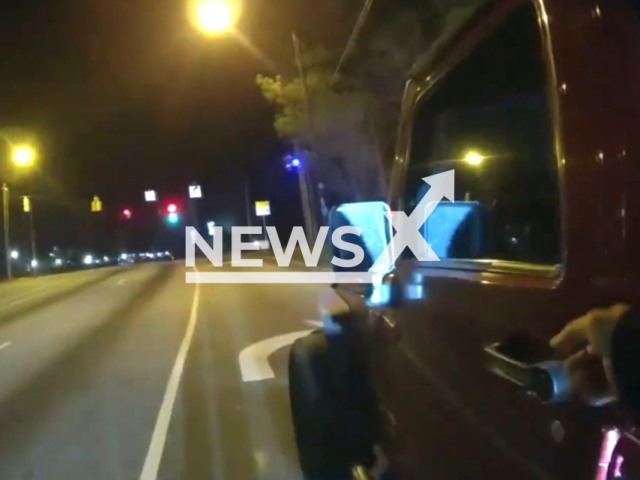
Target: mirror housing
[[376, 232]]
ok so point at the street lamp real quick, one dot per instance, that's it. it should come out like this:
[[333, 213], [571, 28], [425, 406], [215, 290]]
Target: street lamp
[[22, 156], [473, 158], [213, 16]]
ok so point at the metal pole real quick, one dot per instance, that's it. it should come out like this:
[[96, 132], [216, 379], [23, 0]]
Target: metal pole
[[32, 234], [5, 220], [264, 225], [304, 190], [247, 199], [304, 197], [305, 93]]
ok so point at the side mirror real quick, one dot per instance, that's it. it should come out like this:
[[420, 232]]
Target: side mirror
[[376, 233]]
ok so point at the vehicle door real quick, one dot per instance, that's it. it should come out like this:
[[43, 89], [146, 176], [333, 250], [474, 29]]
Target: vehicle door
[[485, 111]]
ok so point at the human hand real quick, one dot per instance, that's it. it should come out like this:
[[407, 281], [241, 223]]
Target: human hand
[[586, 341]]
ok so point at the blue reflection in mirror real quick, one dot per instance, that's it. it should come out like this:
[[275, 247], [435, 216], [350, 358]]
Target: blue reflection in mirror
[[376, 230], [453, 230]]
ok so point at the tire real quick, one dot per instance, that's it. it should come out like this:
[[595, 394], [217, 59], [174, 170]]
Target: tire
[[328, 437]]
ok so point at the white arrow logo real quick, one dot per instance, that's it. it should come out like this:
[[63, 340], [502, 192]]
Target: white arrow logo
[[408, 228]]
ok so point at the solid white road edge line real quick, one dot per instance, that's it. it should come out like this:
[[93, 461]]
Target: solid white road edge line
[[5, 344], [254, 359], [159, 437]]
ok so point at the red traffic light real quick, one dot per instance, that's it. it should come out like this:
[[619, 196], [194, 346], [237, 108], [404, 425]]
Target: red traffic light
[[171, 208], [126, 213]]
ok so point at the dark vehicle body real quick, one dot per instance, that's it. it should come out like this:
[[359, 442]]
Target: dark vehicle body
[[548, 91]]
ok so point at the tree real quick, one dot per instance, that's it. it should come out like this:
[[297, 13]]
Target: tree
[[336, 137], [354, 117]]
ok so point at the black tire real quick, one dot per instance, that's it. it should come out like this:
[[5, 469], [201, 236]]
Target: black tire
[[329, 438]]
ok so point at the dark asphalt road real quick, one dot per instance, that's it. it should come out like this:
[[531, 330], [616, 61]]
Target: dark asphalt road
[[95, 383]]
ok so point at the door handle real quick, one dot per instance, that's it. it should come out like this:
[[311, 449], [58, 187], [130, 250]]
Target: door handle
[[531, 366]]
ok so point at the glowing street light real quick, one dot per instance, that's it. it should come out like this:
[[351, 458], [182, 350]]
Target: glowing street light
[[473, 158], [14, 254], [214, 16], [23, 156]]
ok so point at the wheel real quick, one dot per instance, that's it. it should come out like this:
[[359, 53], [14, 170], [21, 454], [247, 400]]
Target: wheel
[[330, 439]]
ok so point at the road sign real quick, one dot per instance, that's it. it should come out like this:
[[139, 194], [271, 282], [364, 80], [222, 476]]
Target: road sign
[[150, 196], [96, 204], [263, 209], [195, 191], [26, 204]]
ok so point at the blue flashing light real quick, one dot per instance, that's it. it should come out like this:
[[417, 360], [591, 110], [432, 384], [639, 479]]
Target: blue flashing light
[[295, 162]]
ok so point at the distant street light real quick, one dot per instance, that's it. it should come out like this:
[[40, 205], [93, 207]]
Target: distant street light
[[14, 254], [34, 263]]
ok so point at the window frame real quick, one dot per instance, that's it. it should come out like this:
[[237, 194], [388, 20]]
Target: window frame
[[434, 70]]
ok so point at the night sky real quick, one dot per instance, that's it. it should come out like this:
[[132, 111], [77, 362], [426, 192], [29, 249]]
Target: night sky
[[124, 96]]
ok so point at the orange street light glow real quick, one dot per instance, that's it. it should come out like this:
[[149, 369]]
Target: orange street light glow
[[214, 16], [23, 156]]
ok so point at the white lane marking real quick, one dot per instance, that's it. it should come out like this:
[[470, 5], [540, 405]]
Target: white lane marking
[[254, 359], [159, 437], [121, 281], [5, 344]]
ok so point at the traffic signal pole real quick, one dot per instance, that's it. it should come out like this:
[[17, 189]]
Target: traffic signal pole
[[5, 218], [32, 234]]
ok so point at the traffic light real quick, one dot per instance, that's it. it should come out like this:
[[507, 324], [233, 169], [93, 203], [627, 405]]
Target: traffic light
[[173, 218], [26, 204], [126, 213], [96, 204], [171, 208]]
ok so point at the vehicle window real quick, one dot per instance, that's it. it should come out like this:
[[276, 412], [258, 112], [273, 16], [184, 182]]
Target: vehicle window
[[488, 119]]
